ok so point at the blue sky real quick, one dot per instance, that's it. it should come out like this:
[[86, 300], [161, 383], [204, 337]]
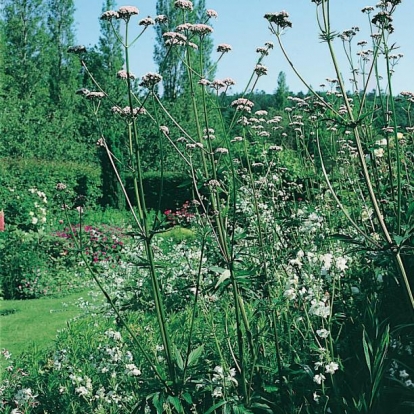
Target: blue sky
[[240, 23]]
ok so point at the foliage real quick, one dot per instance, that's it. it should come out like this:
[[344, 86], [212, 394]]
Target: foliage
[[21, 180]]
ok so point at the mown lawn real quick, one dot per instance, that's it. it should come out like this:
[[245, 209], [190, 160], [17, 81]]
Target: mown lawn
[[34, 322]]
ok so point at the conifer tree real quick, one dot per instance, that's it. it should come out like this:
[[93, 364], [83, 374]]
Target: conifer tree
[[170, 60], [282, 91]]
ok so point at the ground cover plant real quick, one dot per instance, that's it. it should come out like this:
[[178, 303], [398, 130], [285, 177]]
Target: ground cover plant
[[291, 289]]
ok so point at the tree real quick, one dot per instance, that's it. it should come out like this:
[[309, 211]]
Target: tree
[[25, 78], [64, 113], [104, 61], [171, 60], [282, 91]]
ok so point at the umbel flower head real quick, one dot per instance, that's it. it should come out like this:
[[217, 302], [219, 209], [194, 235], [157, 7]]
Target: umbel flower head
[[109, 15], [184, 5], [125, 12], [123, 74], [174, 38], [211, 13], [200, 29], [161, 18], [150, 80], [77, 50], [90, 95], [147, 21], [126, 112], [260, 70], [243, 104], [279, 19], [223, 48]]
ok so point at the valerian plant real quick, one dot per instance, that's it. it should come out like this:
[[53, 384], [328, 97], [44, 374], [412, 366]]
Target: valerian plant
[[266, 309]]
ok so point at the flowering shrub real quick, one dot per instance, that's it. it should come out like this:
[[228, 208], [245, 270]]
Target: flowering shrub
[[183, 216], [97, 244]]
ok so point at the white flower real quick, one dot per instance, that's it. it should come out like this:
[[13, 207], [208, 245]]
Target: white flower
[[327, 260], [381, 142], [404, 374], [379, 152], [218, 392], [331, 368], [82, 391], [132, 370], [319, 378], [6, 354], [34, 220], [367, 214], [340, 263], [409, 383], [323, 333], [317, 365], [290, 294], [164, 129], [320, 309], [219, 370]]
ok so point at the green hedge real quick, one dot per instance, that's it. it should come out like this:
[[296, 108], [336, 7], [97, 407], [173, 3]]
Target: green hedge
[[176, 190], [18, 176]]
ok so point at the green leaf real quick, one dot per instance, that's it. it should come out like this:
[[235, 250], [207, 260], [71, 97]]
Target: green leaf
[[399, 239], [263, 407], [194, 355], [215, 406], [217, 269], [158, 402], [345, 239], [187, 398], [175, 401], [224, 276], [367, 349], [179, 358]]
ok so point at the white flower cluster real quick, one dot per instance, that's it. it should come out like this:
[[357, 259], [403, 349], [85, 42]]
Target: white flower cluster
[[223, 381], [38, 216]]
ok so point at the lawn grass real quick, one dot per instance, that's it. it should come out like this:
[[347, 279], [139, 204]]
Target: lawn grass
[[24, 323]]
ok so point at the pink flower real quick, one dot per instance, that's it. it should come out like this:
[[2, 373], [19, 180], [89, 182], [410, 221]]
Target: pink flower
[[183, 4], [211, 13], [223, 48], [125, 12]]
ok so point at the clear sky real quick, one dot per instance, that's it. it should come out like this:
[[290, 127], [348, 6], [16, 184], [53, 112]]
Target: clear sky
[[240, 23]]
